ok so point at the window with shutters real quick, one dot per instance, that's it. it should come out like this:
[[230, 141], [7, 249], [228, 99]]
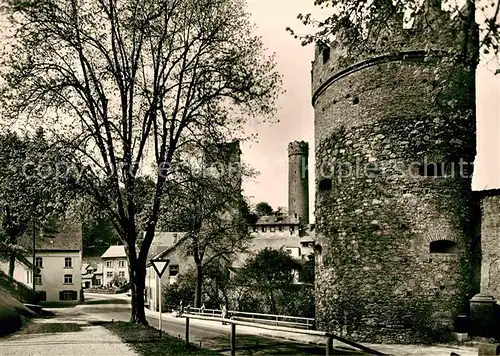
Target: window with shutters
[[67, 295]]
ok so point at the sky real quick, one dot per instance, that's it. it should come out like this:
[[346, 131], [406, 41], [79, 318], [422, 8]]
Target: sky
[[268, 153]]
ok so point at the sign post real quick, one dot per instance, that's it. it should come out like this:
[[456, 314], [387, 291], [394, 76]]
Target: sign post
[[160, 265]]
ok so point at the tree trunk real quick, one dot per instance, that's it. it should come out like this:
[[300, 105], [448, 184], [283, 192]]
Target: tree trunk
[[12, 264], [137, 271], [199, 283], [273, 303]]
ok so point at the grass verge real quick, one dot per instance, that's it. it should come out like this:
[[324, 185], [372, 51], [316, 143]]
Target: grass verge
[[53, 305], [49, 328], [145, 340]]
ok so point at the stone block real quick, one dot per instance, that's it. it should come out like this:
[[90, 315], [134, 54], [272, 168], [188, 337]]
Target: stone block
[[483, 311], [486, 349], [461, 337]]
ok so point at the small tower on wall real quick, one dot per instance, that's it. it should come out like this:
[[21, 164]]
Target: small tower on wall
[[298, 180]]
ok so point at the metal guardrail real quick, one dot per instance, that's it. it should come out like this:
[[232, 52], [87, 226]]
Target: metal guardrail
[[329, 336], [284, 320]]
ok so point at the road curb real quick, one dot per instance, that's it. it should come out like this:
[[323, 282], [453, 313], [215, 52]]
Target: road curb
[[292, 339]]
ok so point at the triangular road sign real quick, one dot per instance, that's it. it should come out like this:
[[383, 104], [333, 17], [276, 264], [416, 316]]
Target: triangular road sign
[[160, 266]]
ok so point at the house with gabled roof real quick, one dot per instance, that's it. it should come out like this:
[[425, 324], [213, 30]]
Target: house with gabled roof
[[23, 269], [166, 245], [92, 274], [115, 266], [58, 258]]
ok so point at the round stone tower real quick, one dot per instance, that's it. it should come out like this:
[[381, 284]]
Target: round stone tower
[[298, 180], [395, 217]]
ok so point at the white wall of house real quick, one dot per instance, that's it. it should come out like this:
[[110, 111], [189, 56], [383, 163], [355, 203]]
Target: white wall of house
[[179, 263], [116, 266], [293, 251], [22, 273], [282, 230], [58, 274]]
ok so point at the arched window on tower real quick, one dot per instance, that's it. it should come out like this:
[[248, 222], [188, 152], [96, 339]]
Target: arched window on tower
[[326, 54], [443, 246]]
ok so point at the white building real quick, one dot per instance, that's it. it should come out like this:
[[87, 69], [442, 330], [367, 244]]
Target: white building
[[115, 266], [23, 270], [279, 232], [166, 245], [58, 258], [275, 231], [91, 275]]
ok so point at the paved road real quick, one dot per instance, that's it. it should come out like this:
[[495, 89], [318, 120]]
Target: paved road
[[110, 307]]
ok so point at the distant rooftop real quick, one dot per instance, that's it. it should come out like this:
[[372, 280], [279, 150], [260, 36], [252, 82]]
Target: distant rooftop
[[277, 220], [162, 241], [68, 237], [117, 251]]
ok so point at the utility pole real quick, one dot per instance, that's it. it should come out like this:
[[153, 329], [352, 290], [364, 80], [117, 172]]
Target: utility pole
[[34, 259]]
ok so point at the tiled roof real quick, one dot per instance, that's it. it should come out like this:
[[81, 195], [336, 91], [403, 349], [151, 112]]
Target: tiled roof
[[117, 251], [277, 220], [24, 260], [159, 251], [307, 238], [162, 241], [67, 238], [308, 235]]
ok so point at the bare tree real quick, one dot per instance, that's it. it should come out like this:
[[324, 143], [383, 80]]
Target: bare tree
[[210, 208], [127, 84]]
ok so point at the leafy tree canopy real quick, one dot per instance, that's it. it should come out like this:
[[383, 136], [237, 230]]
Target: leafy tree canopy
[[29, 194], [263, 209]]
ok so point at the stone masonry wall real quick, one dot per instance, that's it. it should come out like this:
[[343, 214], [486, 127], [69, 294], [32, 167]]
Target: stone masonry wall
[[377, 127], [490, 244]]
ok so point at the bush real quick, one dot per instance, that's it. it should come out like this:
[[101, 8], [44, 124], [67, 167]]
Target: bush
[[10, 320], [183, 291], [300, 302]]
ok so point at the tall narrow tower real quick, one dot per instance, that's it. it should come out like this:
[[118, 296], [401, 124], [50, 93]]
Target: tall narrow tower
[[298, 180]]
